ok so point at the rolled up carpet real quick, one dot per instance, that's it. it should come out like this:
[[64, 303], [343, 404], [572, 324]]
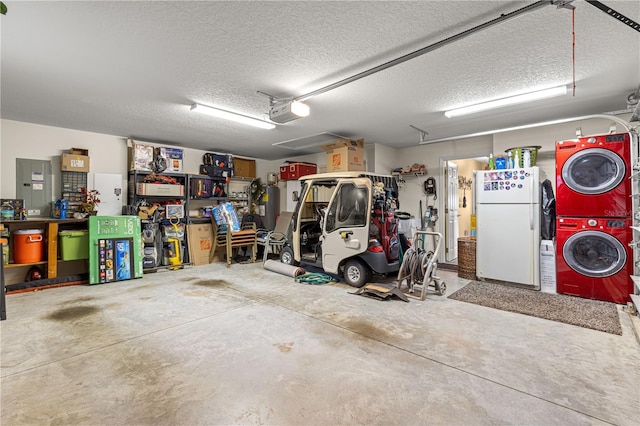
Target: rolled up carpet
[[283, 268]]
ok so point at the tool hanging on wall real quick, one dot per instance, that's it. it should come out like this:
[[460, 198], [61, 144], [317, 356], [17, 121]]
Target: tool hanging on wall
[[464, 183], [430, 187], [430, 216]]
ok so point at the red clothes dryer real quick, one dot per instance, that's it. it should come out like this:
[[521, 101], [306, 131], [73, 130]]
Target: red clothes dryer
[[592, 176], [594, 259]]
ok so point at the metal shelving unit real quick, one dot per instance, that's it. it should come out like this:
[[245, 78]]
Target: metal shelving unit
[[240, 195], [201, 193], [136, 177]]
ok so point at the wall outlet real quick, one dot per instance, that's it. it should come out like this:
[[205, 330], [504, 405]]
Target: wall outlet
[[33, 212]]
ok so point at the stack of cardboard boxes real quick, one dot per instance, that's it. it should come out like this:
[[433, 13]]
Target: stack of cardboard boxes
[[343, 155], [141, 157]]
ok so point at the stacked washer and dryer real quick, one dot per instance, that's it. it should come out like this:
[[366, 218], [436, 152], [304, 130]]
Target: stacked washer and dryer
[[594, 215]]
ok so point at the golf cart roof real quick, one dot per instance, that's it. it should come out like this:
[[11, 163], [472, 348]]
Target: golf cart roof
[[388, 180], [339, 175]]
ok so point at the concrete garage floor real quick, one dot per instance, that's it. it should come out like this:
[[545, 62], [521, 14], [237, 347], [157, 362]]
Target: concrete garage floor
[[211, 345]]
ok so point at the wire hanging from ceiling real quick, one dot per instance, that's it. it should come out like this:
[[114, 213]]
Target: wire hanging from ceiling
[[573, 49]]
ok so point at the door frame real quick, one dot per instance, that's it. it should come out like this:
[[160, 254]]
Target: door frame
[[451, 243], [442, 201]]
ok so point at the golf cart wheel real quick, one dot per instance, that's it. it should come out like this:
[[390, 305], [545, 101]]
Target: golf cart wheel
[[356, 274], [442, 287], [286, 256]]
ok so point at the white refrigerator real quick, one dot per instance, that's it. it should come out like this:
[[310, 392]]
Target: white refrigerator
[[508, 225]]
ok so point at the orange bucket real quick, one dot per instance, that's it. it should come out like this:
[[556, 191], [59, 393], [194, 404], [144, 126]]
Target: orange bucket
[[28, 246]]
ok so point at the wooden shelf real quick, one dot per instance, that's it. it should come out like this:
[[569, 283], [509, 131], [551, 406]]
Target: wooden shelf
[[209, 199], [52, 267], [414, 174], [19, 265]]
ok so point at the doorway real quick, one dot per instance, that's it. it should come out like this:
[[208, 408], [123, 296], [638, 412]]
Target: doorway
[[451, 212], [458, 202]]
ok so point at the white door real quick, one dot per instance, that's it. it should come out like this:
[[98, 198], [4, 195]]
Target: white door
[[507, 245], [451, 212]]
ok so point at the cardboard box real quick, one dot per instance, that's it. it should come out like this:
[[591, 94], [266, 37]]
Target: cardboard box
[[174, 158], [79, 151], [548, 266], [244, 167], [200, 241], [293, 171], [140, 157], [77, 160], [159, 189], [345, 155]]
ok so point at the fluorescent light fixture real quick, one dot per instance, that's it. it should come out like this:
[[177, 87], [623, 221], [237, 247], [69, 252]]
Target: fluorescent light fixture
[[228, 115], [511, 100], [283, 112], [618, 120]]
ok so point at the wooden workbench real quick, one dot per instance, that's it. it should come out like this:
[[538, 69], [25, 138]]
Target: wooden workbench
[[51, 266]]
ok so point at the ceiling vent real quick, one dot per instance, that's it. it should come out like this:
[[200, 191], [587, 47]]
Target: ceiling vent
[[306, 142]]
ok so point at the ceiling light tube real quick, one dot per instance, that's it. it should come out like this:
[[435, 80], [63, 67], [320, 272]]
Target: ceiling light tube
[[618, 120], [511, 100], [228, 115]]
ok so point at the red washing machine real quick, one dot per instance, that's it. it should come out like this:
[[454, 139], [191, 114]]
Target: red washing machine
[[594, 259], [592, 176]]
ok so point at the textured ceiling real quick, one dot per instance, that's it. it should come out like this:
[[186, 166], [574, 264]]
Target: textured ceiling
[[134, 68]]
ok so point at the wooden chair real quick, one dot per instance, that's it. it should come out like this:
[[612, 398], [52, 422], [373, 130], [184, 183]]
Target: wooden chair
[[245, 237]]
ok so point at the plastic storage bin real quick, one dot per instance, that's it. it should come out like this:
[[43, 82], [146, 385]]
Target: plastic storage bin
[[74, 245]]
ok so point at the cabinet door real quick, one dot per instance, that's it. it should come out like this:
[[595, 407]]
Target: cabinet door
[[110, 188]]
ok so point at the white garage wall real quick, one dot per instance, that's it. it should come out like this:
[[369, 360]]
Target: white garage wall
[[431, 155], [109, 154]]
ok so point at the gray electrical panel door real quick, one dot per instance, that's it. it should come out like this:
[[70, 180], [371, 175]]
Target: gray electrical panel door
[[33, 184]]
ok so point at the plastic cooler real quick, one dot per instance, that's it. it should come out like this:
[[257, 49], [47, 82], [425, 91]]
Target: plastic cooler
[[28, 246], [74, 245]]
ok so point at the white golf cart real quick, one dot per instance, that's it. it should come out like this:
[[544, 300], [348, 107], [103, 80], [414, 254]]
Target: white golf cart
[[343, 223]]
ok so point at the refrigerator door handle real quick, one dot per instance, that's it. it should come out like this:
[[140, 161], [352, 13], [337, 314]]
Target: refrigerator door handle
[[531, 202]]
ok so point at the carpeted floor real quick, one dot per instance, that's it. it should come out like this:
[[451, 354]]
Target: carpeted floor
[[594, 314]]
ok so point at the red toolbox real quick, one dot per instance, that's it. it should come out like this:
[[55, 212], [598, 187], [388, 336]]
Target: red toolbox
[[293, 171]]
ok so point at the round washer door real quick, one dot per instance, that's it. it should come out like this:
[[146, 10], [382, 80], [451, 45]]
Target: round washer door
[[594, 254], [593, 171]]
